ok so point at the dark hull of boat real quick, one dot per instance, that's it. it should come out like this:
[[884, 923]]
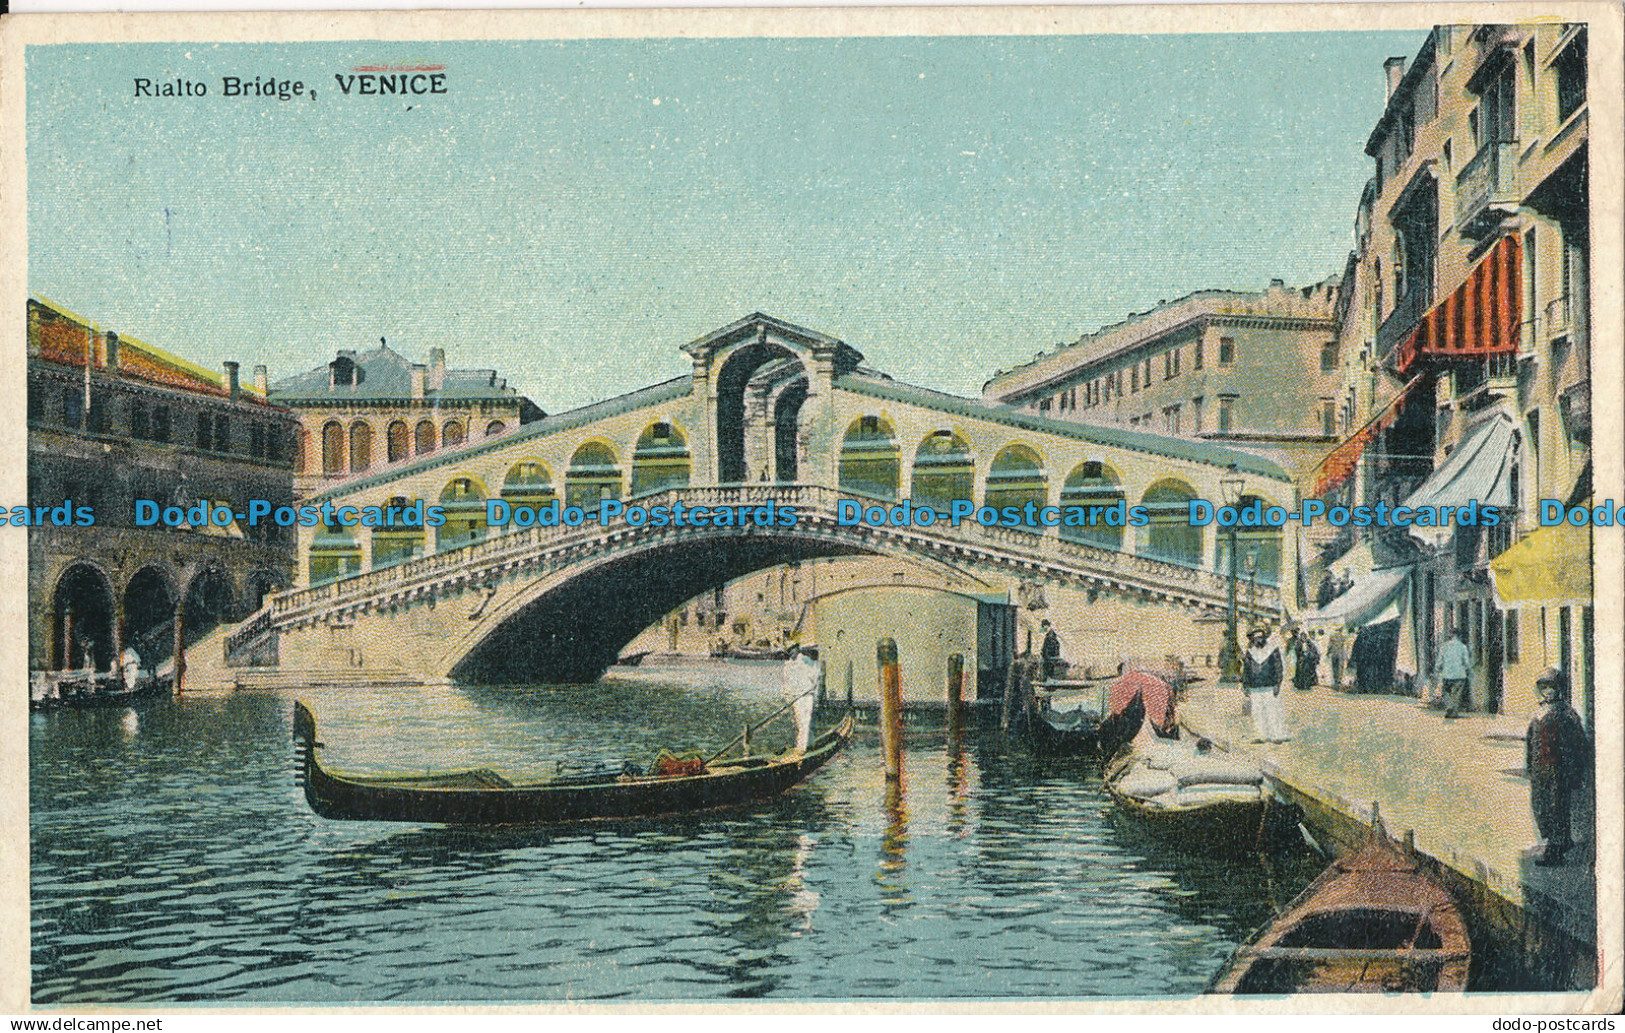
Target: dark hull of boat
[[1214, 827], [1059, 739], [147, 689], [482, 798], [1373, 922]]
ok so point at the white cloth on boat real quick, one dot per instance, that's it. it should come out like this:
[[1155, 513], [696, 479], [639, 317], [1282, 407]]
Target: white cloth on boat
[[801, 677]]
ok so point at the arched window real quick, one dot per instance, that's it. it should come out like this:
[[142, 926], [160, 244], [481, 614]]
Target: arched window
[[333, 447], [452, 435], [360, 446], [593, 476], [397, 544], [464, 502], [1258, 548], [1016, 478], [1170, 536], [869, 458], [424, 440], [494, 428], [1091, 491], [660, 460], [400, 445], [942, 473]]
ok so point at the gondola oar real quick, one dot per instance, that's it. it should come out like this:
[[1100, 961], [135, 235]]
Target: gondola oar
[[742, 736]]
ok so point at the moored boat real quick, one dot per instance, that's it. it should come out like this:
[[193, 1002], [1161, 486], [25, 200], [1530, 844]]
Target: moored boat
[[483, 797], [1373, 922], [1200, 798], [66, 690]]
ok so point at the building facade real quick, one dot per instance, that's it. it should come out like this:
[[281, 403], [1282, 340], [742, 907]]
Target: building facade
[[112, 421], [1257, 370], [362, 413], [1465, 307]]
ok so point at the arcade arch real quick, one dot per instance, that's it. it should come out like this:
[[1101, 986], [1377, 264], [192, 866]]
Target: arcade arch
[[870, 462]]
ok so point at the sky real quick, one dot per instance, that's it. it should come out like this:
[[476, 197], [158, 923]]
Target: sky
[[571, 212]]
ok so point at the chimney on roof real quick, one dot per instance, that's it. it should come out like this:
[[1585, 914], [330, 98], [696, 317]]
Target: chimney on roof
[[418, 371], [234, 386], [262, 380], [437, 368], [1395, 67], [110, 350]]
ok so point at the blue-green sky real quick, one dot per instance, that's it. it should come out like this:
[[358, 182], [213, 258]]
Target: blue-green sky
[[571, 212]]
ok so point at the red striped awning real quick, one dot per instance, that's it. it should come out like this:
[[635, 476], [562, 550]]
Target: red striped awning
[[1479, 319], [1339, 466]]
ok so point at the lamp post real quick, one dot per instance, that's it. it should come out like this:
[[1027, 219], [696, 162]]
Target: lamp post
[[1230, 650]]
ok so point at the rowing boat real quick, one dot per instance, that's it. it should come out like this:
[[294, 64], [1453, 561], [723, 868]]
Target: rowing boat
[[1372, 922], [1202, 800], [483, 797]]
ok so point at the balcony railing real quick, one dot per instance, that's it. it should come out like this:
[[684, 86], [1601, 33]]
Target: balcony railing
[[1484, 181], [1408, 311], [1558, 316]]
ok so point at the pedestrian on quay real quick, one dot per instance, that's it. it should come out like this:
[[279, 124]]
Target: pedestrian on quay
[[1452, 668], [1307, 671], [1337, 648], [1557, 758], [1261, 673]]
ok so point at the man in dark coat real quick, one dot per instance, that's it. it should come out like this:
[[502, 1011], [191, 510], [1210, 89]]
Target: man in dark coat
[[1050, 652], [1557, 758]]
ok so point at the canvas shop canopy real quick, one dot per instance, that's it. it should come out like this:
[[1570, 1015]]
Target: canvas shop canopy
[[1478, 470], [1551, 567], [1372, 600]]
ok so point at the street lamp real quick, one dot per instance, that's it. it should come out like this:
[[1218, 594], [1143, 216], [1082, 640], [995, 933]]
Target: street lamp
[[1230, 649]]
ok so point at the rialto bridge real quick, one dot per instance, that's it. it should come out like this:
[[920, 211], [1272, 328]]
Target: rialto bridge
[[771, 411]]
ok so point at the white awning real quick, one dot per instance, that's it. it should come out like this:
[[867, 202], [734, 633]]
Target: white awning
[[1368, 602], [1478, 470]]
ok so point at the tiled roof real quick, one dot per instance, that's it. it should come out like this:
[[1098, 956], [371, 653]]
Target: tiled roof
[[1134, 441], [387, 375]]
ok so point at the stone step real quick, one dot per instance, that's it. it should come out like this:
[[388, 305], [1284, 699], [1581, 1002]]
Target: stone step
[[276, 678]]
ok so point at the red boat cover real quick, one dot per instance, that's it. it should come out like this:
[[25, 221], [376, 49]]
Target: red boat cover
[[1155, 693]]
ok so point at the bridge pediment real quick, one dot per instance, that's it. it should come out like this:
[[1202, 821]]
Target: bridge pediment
[[760, 328]]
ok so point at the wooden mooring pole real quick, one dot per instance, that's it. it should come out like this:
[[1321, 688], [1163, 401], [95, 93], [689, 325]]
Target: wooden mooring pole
[[956, 693], [891, 707]]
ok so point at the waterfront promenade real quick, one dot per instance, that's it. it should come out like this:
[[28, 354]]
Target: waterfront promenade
[[1459, 785]]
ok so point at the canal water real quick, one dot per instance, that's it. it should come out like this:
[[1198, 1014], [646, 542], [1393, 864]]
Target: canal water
[[174, 860]]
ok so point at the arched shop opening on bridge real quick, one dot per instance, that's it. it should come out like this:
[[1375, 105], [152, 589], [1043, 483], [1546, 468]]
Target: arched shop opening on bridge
[[82, 620], [463, 499], [1258, 548], [1095, 488], [334, 553], [943, 471], [149, 615], [661, 459], [594, 475], [1169, 536], [397, 544], [529, 483], [870, 462], [1016, 478]]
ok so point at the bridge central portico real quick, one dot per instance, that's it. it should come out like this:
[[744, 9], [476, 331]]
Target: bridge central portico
[[770, 412]]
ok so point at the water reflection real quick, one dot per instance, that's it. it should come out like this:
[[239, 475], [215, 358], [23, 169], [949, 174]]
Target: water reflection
[[174, 860]]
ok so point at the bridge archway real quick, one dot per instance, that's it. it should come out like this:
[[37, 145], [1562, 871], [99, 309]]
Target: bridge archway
[[82, 619], [869, 458], [571, 626], [787, 431], [660, 459], [732, 382], [1095, 488], [943, 470], [528, 482], [209, 601]]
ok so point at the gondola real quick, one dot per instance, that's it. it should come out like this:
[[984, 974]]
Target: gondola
[[631, 659], [483, 797], [1066, 715], [1372, 922], [1203, 801]]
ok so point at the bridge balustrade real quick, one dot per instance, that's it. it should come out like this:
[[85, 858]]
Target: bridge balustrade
[[816, 507]]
